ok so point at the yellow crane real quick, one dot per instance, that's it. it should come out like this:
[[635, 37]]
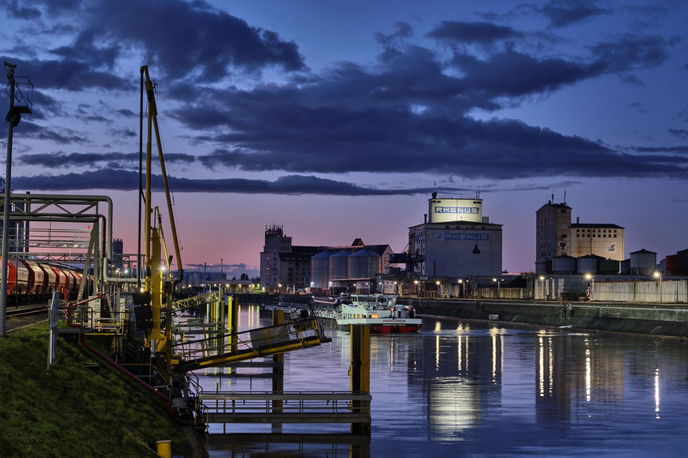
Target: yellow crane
[[159, 282]]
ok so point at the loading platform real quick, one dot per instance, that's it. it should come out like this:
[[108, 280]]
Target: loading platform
[[225, 349], [286, 407]]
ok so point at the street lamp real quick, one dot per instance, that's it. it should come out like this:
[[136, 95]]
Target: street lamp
[[544, 293], [498, 281], [416, 282], [658, 276], [590, 277], [461, 287]]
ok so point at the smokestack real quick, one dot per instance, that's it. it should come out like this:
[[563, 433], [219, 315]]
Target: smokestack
[[577, 219], [425, 218]]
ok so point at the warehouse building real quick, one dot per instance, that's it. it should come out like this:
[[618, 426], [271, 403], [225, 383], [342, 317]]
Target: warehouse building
[[455, 241], [555, 237]]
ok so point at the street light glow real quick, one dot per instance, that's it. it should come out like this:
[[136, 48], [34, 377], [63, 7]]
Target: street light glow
[[588, 276]]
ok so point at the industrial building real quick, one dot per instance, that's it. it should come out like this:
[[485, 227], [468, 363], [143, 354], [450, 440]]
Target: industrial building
[[605, 240], [556, 238], [553, 225], [283, 264], [352, 267], [455, 241], [288, 267]]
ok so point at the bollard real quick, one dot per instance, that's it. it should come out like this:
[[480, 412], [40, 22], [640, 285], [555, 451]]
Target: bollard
[[164, 448]]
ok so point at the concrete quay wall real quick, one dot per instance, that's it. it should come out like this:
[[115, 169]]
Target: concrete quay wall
[[657, 320]]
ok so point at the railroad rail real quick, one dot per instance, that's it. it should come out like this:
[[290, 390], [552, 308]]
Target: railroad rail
[[27, 310]]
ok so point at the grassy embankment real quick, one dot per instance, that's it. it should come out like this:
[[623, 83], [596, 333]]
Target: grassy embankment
[[81, 407]]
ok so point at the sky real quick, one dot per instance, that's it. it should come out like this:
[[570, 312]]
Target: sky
[[337, 120]]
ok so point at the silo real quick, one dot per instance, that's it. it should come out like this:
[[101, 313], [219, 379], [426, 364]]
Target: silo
[[643, 262], [364, 264], [609, 267], [339, 265], [563, 264], [588, 264], [320, 269]]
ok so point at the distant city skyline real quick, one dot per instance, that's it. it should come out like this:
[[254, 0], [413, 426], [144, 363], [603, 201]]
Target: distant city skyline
[[338, 120]]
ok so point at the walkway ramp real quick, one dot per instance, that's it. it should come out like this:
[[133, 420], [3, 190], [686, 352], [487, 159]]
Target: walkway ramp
[[286, 407], [234, 347]]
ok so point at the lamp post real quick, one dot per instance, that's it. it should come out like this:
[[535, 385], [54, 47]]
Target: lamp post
[[658, 276], [591, 278], [416, 282], [461, 288], [542, 280], [439, 287], [498, 281]]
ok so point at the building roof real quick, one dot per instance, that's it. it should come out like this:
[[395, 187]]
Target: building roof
[[596, 225], [550, 204], [641, 251], [457, 223]]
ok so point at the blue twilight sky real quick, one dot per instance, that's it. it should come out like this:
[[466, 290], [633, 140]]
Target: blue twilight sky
[[337, 119]]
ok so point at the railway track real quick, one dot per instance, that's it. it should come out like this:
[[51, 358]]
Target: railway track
[[27, 310], [18, 317]]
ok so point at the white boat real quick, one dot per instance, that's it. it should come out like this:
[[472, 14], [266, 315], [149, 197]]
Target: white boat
[[380, 312]]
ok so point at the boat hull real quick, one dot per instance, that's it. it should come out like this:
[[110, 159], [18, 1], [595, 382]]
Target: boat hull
[[385, 325]]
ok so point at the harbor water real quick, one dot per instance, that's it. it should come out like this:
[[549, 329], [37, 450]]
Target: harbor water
[[459, 388]]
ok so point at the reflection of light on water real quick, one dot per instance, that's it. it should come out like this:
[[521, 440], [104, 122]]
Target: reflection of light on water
[[438, 326], [437, 352], [657, 397], [541, 366], [551, 365], [453, 407], [459, 352], [493, 333], [391, 356], [588, 371]]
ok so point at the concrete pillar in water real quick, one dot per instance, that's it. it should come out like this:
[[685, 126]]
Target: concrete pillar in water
[[277, 373], [232, 325], [360, 370]]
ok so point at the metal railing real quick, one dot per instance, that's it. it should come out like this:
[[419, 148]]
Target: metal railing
[[288, 407], [89, 319], [257, 340]]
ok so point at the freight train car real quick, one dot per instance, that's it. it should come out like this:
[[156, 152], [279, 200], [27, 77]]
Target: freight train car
[[31, 281]]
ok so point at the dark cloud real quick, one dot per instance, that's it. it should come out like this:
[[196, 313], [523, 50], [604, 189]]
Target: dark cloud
[[632, 52], [527, 74], [181, 38], [124, 180], [66, 74], [84, 50], [123, 133], [562, 13], [126, 112], [680, 133], [409, 114], [15, 9], [473, 32], [664, 149], [639, 107], [64, 136], [67, 160], [44, 105], [128, 180], [402, 31]]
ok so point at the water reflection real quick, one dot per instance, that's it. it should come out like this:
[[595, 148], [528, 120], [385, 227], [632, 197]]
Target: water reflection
[[471, 388]]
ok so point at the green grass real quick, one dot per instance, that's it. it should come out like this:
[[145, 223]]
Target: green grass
[[80, 407]]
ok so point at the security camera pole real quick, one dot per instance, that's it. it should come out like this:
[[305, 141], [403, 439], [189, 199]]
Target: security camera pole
[[13, 117]]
